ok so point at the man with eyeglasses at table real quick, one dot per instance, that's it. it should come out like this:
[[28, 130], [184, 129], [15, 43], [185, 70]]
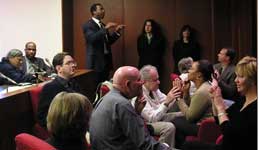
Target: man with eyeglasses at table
[[65, 67]]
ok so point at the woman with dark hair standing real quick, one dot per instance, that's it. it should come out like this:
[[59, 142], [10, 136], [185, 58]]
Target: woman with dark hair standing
[[186, 46], [151, 45]]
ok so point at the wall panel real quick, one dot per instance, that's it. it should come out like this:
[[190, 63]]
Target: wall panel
[[218, 23]]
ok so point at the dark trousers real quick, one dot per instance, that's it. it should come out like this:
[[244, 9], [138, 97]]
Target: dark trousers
[[104, 75], [183, 129]]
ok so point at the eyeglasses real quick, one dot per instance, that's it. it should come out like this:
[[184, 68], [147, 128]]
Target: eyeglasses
[[70, 63], [153, 80]]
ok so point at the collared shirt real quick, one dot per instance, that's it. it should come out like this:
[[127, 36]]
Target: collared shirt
[[30, 69], [154, 109], [106, 37], [97, 22]]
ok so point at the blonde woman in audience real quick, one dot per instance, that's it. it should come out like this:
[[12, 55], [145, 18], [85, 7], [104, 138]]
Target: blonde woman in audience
[[239, 122], [67, 121]]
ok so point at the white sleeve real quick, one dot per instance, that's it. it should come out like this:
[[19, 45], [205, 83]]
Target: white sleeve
[[153, 115]]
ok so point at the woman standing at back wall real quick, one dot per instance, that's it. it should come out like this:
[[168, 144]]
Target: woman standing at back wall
[[186, 46], [151, 45]]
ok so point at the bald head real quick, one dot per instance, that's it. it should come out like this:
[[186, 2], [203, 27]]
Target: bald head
[[125, 73], [127, 80]]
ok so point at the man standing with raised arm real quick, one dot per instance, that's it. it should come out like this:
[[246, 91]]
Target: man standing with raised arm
[[99, 38]]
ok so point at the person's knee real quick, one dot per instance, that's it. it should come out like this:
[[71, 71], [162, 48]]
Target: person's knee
[[170, 127]]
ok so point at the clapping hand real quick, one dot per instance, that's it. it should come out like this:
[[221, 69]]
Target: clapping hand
[[216, 95], [140, 104], [110, 25], [119, 27]]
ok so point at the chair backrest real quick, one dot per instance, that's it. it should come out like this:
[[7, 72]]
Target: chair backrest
[[102, 89], [35, 97], [37, 130], [219, 139], [26, 141], [209, 130]]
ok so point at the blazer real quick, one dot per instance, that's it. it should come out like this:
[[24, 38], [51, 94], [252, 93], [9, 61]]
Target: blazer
[[150, 53], [49, 91], [16, 74], [227, 81], [39, 63], [96, 38]]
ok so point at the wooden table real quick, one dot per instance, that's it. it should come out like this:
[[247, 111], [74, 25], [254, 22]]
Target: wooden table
[[16, 111]]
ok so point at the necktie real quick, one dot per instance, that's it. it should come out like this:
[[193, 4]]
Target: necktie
[[101, 24], [31, 69], [105, 39]]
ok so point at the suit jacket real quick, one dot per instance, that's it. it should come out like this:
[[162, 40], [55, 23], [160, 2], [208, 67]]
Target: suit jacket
[[39, 63], [16, 74], [49, 91], [227, 81], [150, 53], [96, 37], [115, 125]]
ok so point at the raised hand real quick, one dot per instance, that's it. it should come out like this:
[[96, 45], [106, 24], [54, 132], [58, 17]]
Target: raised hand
[[172, 95], [120, 27], [110, 25], [140, 104], [217, 99]]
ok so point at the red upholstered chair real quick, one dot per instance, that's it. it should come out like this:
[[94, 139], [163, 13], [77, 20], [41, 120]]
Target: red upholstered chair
[[37, 129], [208, 132], [219, 139], [26, 141]]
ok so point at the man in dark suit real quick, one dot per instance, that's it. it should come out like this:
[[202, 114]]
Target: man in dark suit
[[10, 68], [225, 71], [65, 67], [99, 38], [32, 64]]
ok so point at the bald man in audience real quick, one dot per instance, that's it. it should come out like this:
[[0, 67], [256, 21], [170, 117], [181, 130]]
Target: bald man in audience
[[33, 64], [115, 124]]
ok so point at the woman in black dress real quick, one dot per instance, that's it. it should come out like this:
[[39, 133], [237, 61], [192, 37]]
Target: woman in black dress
[[151, 45], [186, 46]]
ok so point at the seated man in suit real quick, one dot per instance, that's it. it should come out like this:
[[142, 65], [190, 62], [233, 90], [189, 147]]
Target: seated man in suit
[[65, 67], [32, 64], [225, 71], [10, 67], [114, 123]]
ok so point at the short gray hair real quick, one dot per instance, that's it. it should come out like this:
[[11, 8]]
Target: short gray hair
[[185, 64], [14, 53], [145, 71]]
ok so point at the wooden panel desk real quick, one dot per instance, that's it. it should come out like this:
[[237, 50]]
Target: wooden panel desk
[[16, 111]]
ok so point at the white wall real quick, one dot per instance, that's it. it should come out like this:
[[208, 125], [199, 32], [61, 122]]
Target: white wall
[[31, 20]]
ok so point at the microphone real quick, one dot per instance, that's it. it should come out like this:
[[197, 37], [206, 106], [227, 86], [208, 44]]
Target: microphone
[[48, 62], [36, 67], [7, 78]]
